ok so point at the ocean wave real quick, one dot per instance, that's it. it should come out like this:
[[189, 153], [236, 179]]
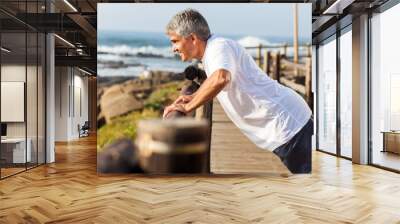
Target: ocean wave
[[251, 41], [145, 51]]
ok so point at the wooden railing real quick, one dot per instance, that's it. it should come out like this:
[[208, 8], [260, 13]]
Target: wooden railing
[[275, 62]]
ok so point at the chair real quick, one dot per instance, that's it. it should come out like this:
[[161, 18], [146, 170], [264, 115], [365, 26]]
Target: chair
[[84, 130]]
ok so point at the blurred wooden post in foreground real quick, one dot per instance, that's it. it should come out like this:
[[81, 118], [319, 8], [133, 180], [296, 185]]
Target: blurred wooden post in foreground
[[173, 146]]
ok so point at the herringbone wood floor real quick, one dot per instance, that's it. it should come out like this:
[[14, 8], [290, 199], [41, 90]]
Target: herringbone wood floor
[[70, 191]]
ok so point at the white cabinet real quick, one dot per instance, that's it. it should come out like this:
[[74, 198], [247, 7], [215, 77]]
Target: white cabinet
[[18, 149]]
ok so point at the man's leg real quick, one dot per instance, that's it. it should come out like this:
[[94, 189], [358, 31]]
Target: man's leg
[[296, 154]]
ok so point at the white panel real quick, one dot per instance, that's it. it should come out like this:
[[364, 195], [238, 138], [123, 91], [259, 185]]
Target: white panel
[[19, 155], [77, 112], [12, 101], [327, 97], [360, 90], [50, 80], [77, 102], [346, 94], [395, 102]]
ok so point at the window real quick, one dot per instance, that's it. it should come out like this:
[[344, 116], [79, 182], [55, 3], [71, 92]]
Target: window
[[22, 86], [346, 92], [327, 96], [385, 89]]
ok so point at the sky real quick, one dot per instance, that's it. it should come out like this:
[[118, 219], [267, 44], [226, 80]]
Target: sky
[[264, 19]]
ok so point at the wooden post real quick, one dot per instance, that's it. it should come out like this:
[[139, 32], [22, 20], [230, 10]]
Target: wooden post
[[183, 147], [295, 37], [308, 50], [266, 61], [285, 49], [269, 63], [199, 114], [277, 65], [273, 66], [307, 84], [259, 55], [207, 114]]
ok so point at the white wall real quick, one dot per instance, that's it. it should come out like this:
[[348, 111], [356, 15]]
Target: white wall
[[71, 87], [80, 110], [61, 103]]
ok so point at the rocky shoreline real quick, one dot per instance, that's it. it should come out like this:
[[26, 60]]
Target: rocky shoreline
[[117, 64], [120, 95]]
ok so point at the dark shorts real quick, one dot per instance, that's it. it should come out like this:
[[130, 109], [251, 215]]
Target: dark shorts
[[296, 153]]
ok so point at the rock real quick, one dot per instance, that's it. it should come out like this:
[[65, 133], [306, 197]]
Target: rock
[[135, 86], [115, 102], [107, 81], [101, 120], [119, 157], [117, 96], [149, 55]]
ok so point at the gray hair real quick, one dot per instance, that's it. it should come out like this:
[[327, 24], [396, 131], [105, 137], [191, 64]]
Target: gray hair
[[189, 21]]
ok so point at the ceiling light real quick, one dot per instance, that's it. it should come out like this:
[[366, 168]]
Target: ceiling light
[[64, 40], [337, 7], [86, 72], [79, 51], [5, 50], [70, 5]]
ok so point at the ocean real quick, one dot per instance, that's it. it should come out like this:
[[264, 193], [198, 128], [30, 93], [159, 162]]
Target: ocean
[[122, 53]]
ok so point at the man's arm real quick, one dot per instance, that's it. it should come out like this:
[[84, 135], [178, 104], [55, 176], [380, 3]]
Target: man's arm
[[209, 89]]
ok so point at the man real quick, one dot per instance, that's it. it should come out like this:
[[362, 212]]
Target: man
[[272, 116]]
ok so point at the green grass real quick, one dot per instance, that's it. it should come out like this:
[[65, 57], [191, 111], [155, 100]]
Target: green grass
[[163, 96], [123, 127]]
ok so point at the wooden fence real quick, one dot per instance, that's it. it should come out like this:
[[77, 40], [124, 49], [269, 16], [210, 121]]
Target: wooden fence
[[275, 62]]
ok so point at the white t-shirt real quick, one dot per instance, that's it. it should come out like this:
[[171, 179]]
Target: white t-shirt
[[268, 113]]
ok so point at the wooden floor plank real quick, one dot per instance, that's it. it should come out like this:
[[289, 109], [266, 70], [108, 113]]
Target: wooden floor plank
[[232, 152], [70, 191]]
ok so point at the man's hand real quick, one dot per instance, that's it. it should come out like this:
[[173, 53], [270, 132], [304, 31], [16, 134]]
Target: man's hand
[[208, 90], [173, 107], [183, 99]]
